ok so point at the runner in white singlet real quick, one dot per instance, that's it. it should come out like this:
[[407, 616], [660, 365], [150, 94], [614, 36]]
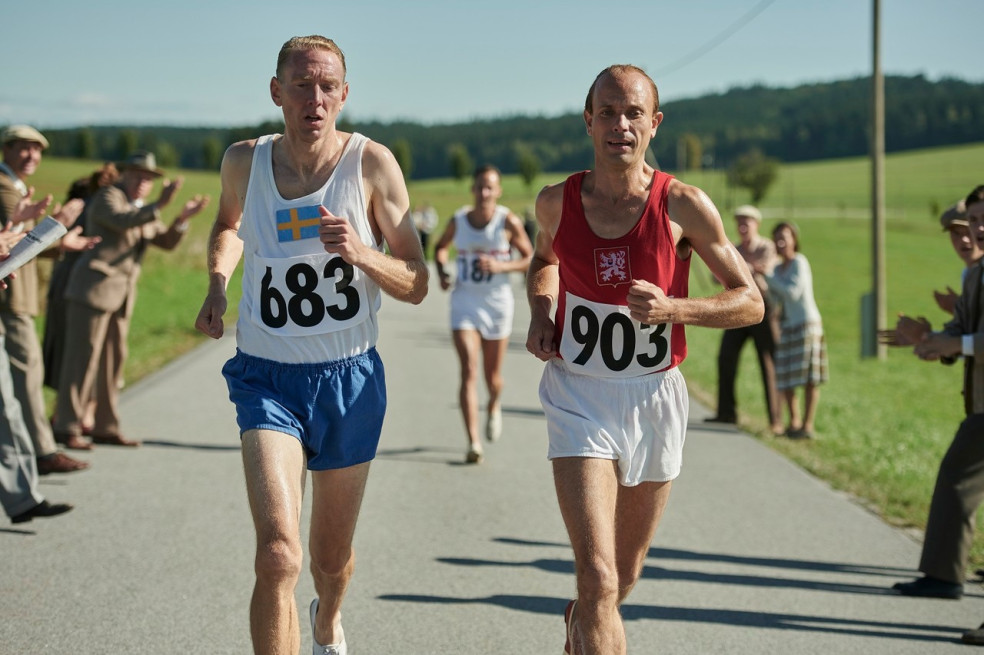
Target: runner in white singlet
[[482, 304], [309, 211]]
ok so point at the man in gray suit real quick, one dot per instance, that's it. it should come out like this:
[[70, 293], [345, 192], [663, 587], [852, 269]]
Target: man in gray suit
[[101, 294], [19, 304], [20, 496], [959, 487]]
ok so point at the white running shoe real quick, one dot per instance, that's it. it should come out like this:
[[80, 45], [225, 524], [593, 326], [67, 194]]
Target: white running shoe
[[341, 648], [493, 427], [474, 455]]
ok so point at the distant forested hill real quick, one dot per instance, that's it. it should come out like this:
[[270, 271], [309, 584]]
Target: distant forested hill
[[808, 122]]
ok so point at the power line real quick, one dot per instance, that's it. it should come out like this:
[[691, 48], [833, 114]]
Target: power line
[[716, 41]]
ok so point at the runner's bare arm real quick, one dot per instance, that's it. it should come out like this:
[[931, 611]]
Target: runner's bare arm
[[519, 240], [403, 273], [224, 246], [441, 254], [543, 280], [696, 220]]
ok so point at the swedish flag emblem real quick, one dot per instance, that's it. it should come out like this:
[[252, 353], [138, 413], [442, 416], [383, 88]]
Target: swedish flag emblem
[[298, 223]]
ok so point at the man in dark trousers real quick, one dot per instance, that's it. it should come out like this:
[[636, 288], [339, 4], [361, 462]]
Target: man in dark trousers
[[959, 487], [759, 253]]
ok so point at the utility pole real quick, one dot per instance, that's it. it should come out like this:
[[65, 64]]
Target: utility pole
[[877, 304]]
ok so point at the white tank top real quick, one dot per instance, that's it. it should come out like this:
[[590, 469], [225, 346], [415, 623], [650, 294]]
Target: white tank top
[[301, 304], [471, 242]]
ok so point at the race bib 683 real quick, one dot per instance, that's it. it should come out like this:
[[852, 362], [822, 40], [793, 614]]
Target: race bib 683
[[308, 295]]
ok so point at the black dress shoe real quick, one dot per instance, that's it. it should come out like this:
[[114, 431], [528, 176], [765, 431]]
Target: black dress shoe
[[974, 637], [721, 419], [927, 587], [41, 510]]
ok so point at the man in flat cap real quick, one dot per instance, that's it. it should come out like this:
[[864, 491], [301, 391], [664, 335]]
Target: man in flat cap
[[101, 293], [954, 221], [19, 303], [759, 253]]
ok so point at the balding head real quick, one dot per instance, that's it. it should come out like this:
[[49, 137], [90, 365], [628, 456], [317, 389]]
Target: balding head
[[621, 71]]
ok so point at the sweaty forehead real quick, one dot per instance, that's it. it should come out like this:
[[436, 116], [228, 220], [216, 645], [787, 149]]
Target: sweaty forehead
[[623, 88], [313, 63]]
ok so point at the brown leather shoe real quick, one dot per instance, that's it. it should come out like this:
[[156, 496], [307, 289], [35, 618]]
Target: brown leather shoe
[[60, 463], [114, 440], [73, 441]]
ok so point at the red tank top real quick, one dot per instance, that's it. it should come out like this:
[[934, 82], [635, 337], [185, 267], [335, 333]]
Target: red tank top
[[595, 334]]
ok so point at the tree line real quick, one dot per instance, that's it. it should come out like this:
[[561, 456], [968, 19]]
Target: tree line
[[807, 122]]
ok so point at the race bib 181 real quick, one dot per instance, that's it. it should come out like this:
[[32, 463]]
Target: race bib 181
[[308, 295], [470, 267], [602, 340]]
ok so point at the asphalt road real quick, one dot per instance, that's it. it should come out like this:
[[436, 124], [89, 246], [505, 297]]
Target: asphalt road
[[753, 556]]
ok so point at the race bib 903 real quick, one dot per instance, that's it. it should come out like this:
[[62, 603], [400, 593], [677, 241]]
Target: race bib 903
[[308, 295], [602, 340]]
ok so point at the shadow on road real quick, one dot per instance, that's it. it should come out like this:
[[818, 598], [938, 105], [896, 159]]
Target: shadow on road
[[778, 562], [523, 412], [767, 620], [23, 533], [650, 572], [193, 446], [421, 454], [653, 572]]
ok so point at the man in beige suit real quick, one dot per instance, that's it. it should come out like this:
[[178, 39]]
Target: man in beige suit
[[101, 294], [22, 148]]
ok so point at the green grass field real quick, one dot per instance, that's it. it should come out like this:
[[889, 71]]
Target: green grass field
[[882, 425]]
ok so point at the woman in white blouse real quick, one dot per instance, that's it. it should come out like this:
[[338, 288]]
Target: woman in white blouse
[[801, 355]]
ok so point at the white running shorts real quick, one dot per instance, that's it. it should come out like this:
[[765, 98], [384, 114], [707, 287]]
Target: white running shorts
[[639, 421], [490, 314]]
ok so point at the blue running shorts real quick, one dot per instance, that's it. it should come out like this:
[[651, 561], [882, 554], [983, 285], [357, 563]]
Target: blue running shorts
[[335, 409]]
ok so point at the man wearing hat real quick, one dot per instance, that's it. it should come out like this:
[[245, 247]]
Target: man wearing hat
[[967, 241], [954, 221], [19, 303], [959, 489], [101, 292], [760, 254]]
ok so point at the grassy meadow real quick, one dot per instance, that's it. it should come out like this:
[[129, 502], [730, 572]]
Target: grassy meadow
[[882, 425]]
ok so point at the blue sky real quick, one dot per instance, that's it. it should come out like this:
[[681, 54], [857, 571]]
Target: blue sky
[[209, 62]]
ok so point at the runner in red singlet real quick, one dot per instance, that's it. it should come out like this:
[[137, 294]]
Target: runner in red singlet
[[612, 254]]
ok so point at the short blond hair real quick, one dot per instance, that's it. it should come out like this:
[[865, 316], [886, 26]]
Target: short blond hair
[[313, 42]]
